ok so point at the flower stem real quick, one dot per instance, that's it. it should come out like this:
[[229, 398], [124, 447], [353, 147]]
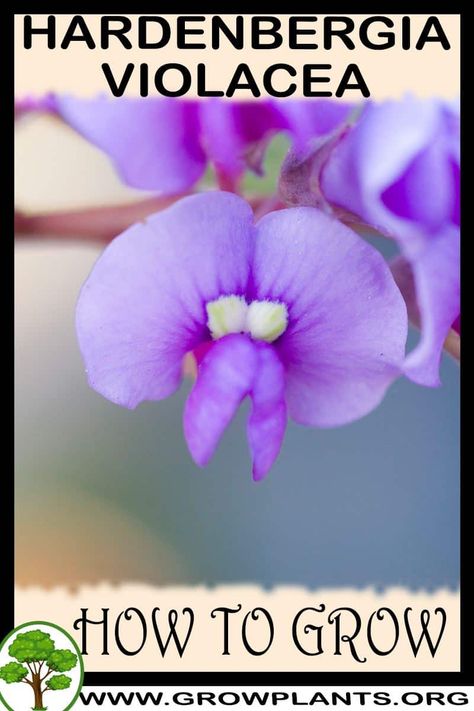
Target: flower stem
[[102, 224], [99, 224], [452, 344]]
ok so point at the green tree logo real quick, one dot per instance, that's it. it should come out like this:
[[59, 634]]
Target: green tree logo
[[39, 663]]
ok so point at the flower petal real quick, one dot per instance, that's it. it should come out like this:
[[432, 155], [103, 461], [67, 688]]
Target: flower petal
[[29, 103], [305, 119], [375, 154], [234, 133], [347, 327], [425, 192], [154, 143], [225, 377], [143, 306], [267, 420], [437, 279]]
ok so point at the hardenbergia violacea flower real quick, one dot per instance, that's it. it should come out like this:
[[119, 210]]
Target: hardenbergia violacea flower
[[397, 169], [296, 312]]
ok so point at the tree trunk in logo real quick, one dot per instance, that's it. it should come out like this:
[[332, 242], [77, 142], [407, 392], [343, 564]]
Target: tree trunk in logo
[[38, 692]]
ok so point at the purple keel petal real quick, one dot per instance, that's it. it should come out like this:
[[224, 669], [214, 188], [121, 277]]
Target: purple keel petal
[[267, 420], [225, 377], [143, 305], [437, 279], [347, 327], [154, 143]]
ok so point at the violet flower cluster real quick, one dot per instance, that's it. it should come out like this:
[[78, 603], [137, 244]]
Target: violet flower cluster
[[295, 311], [164, 145]]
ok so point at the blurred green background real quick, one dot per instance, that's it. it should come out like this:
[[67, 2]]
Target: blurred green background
[[112, 495]]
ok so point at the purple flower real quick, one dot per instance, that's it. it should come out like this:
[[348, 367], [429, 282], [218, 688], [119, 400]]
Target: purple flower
[[165, 144], [29, 104], [296, 312], [397, 170]]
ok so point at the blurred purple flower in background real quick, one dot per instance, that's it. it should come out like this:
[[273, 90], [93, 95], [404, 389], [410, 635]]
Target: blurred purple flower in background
[[29, 104], [165, 145], [296, 312], [397, 170]]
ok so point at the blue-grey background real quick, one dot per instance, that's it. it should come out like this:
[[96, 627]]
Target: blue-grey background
[[108, 494]]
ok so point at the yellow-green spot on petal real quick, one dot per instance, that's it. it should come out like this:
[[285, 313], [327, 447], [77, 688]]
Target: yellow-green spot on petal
[[262, 320], [267, 320], [227, 314]]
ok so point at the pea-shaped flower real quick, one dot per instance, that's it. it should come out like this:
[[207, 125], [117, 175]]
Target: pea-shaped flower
[[398, 170], [296, 312]]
